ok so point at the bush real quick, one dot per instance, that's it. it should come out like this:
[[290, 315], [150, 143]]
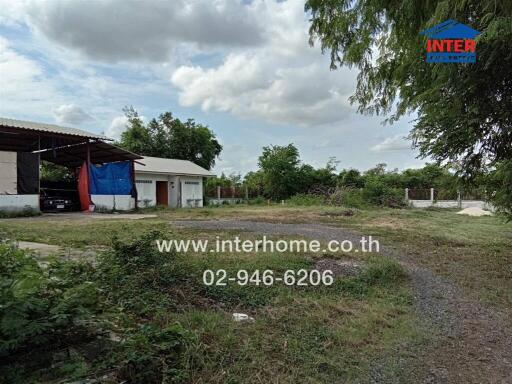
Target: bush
[[260, 200], [43, 307], [305, 199], [47, 314], [152, 355], [375, 192], [138, 266], [353, 198]]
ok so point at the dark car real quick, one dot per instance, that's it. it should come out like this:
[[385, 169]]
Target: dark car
[[55, 200]]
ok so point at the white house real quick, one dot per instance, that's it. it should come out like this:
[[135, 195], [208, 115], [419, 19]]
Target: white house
[[171, 182]]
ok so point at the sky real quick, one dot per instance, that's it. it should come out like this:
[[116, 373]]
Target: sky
[[244, 68]]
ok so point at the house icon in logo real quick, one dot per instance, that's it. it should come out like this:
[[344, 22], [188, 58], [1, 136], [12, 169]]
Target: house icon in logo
[[451, 42]]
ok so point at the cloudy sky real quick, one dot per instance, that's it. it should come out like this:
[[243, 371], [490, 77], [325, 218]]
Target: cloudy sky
[[244, 68]]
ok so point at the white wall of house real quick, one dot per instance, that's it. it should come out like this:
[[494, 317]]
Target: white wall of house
[[189, 188], [174, 191], [146, 187], [191, 191]]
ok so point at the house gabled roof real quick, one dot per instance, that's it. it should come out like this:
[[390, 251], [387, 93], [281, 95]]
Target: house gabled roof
[[450, 29], [170, 166]]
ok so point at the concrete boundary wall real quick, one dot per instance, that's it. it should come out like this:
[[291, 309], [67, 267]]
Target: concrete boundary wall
[[18, 203], [459, 203], [450, 204]]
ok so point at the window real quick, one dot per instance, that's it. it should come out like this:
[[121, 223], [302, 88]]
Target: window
[[192, 182], [144, 181]]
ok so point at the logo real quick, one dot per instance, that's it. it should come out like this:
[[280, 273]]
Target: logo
[[451, 42]]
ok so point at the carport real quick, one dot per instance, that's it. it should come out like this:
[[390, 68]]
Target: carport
[[23, 144]]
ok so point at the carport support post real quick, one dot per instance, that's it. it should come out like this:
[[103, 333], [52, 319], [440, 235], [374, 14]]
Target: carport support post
[[132, 163], [88, 165]]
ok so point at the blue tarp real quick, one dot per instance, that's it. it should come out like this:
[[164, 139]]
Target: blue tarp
[[111, 179]]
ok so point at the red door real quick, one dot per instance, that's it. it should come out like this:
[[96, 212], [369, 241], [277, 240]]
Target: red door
[[162, 193]]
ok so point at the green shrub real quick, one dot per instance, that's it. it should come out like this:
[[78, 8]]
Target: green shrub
[[153, 355], [260, 200], [375, 192], [353, 198], [305, 199], [138, 266], [42, 307]]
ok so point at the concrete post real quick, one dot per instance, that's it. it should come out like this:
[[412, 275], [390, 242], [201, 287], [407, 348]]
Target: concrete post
[[218, 192], [406, 194], [459, 200], [246, 194], [432, 196]]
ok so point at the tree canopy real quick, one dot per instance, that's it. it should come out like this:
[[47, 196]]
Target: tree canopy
[[464, 111], [171, 138]]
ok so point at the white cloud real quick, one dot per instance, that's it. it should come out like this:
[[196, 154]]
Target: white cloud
[[116, 127], [126, 30], [70, 114], [23, 85], [394, 143], [282, 81]]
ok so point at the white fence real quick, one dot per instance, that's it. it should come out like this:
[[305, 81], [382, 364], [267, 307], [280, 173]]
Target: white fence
[[458, 203]]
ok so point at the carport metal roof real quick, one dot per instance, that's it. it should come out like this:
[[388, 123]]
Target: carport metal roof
[[60, 145], [75, 155]]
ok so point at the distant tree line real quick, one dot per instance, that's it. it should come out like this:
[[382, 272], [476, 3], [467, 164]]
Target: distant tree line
[[282, 175]]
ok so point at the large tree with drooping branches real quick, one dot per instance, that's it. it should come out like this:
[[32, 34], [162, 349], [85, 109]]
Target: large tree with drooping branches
[[463, 111]]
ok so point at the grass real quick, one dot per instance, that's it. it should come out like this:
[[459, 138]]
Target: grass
[[311, 335], [300, 334], [473, 252]]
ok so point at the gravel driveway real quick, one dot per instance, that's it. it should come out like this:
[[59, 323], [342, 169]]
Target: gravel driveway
[[476, 344]]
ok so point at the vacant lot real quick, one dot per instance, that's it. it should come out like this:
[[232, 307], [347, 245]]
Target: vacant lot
[[385, 324]]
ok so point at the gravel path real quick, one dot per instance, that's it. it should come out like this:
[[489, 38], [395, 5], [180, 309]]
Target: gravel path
[[476, 344]]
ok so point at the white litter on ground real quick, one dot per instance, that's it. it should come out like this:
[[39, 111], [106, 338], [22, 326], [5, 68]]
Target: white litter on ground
[[242, 317], [474, 211]]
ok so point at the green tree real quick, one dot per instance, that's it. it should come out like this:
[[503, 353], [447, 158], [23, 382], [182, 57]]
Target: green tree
[[255, 182], [500, 182], [280, 166], [136, 138], [350, 178], [171, 138], [54, 172], [464, 111]]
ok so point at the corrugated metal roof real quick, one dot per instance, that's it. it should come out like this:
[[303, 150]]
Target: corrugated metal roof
[[172, 166], [42, 127], [75, 155]]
